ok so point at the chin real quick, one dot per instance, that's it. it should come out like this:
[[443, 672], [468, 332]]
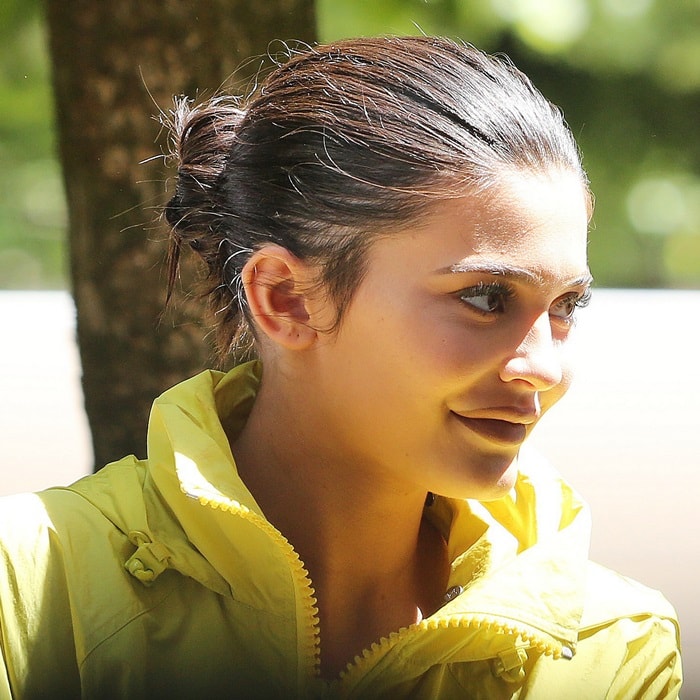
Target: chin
[[493, 483], [502, 487]]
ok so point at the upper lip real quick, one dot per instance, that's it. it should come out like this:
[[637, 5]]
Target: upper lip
[[511, 414]]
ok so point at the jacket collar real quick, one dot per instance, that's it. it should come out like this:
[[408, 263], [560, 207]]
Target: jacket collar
[[520, 559]]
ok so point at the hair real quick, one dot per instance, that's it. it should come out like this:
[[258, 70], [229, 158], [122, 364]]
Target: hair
[[341, 144]]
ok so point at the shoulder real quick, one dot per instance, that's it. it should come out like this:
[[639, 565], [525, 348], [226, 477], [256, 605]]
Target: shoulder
[[72, 529], [63, 587], [628, 635], [631, 631], [611, 595], [49, 520], [644, 620], [628, 645], [35, 607]]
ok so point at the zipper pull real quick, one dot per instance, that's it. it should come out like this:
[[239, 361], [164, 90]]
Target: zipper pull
[[509, 665], [452, 593]]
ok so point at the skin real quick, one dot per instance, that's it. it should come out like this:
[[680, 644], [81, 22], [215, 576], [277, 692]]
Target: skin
[[437, 374]]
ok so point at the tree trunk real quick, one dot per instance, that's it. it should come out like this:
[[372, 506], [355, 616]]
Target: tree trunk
[[115, 64]]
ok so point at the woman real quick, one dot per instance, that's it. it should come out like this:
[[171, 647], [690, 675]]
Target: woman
[[397, 229]]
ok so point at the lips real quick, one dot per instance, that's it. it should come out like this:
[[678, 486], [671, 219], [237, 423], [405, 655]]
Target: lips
[[503, 432]]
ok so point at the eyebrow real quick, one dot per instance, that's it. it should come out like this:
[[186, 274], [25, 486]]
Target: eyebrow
[[519, 274]]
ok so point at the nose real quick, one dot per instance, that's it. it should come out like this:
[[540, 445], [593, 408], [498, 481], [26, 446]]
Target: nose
[[537, 359]]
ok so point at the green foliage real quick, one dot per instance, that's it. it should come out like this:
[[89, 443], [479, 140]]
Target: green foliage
[[626, 73], [32, 209]]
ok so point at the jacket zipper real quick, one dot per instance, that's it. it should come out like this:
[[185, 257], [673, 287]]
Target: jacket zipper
[[464, 621], [310, 633], [311, 645]]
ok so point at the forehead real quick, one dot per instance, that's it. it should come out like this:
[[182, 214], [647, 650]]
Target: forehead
[[519, 211], [537, 223]]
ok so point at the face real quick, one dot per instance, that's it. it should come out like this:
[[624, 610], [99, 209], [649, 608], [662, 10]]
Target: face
[[457, 340]]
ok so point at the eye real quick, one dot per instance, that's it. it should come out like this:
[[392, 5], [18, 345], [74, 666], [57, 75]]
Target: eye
[[487, 299], [565, 307]]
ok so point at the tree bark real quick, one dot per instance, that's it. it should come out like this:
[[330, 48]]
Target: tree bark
[[115, 64]]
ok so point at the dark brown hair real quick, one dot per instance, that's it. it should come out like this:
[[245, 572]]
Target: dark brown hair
[[342, 143]]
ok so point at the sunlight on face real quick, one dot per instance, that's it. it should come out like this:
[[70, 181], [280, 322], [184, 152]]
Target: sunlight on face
[[456, 340]]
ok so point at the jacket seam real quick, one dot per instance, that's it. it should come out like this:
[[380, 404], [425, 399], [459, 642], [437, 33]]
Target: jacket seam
[[126, 623]]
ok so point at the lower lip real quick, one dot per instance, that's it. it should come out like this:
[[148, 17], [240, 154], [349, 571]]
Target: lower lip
[[500, 431]]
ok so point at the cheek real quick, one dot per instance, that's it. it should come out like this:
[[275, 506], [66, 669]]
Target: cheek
[[416, 338], [441, 350]]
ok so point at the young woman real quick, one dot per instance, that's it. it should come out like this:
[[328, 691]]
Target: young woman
[[397, 228]]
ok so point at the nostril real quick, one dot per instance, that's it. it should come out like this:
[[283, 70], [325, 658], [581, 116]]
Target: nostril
[[541, 371]]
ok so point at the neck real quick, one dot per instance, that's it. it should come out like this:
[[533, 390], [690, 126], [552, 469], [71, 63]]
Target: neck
[[334, 513], [362, 538]]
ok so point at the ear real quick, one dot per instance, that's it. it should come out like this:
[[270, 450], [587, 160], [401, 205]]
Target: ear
[[276, 283]]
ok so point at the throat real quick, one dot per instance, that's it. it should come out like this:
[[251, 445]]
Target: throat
[[362, 615]]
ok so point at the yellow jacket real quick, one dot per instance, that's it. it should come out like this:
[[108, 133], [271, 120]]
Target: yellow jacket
[[162, 578]]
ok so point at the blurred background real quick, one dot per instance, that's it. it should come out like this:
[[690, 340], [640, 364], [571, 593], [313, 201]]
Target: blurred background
[[625, 72]]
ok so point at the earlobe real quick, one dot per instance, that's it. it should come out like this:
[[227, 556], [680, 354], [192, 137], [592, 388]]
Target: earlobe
[[276, 283]]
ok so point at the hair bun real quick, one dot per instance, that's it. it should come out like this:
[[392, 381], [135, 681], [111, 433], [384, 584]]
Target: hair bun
[[201, 139]]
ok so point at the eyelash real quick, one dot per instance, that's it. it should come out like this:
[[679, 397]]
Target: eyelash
[[580, 301], [505, 292]]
